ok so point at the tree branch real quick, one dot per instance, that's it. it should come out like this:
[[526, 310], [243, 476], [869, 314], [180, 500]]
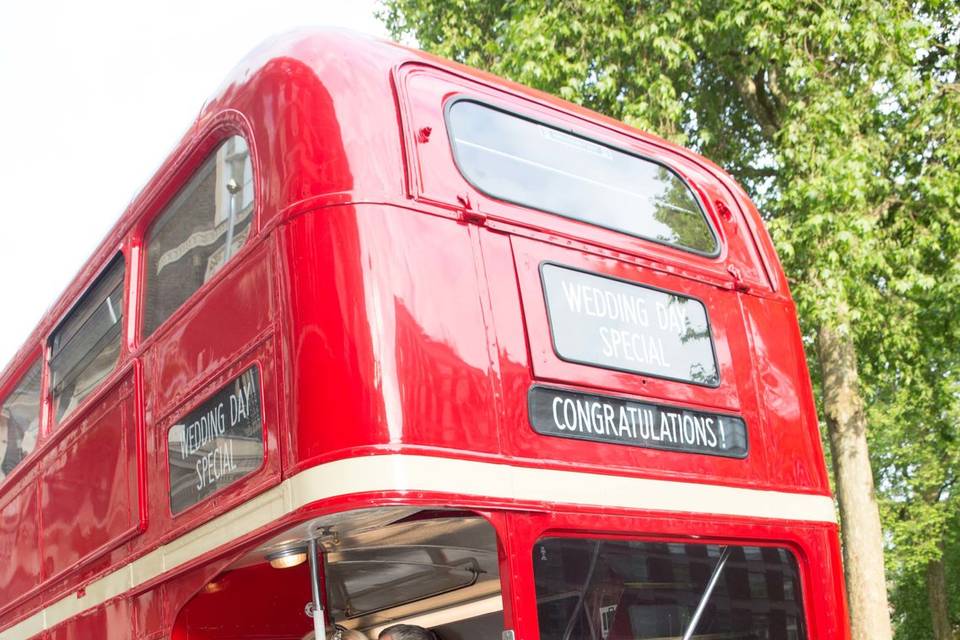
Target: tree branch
[[747, 88]]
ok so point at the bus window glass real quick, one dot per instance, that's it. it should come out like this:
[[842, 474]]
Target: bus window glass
[[20, 421], [201, 229], [629, 590], [534, 165], [85, 347], [428, 569]]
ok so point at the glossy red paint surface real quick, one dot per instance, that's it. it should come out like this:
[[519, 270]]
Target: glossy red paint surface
[[393, 308], [91, 506], [376, 345], [19, 538]]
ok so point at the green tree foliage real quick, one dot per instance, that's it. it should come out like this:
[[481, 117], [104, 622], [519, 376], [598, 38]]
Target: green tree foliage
[[909, 597], [842, 120]]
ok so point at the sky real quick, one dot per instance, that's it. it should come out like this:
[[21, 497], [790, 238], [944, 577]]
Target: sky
[[93, 96]]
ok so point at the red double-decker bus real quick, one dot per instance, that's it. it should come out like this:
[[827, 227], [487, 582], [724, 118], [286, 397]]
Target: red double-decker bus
[[388, 340]]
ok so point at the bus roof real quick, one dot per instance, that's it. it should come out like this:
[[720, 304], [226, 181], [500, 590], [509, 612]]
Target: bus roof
[[293, 94]]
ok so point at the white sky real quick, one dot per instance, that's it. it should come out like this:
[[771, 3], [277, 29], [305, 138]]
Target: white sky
[[93, 95]]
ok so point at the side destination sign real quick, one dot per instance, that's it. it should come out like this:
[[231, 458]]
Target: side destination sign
[[217, 443], [616, 324], [582, 416]]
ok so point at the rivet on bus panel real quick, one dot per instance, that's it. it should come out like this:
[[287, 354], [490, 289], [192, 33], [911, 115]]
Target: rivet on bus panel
[[738, 282], [467, 213]]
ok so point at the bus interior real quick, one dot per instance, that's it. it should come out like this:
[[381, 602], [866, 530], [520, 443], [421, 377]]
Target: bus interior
[[440, 569], [382, 566]]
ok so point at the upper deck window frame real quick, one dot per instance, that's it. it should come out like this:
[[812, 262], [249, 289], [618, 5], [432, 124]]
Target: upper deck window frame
[[546, 122], [196, 159]]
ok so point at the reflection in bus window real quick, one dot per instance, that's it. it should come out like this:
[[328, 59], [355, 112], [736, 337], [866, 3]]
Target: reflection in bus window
[[532, 164], [628, 590], [206, 224], [86, 346], [20, 421], [432, 569]]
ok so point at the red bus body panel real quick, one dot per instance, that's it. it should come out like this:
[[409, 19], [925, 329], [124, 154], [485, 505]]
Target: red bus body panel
[[387, 316]]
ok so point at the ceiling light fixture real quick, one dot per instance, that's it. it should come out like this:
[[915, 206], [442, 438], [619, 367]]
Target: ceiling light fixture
[[287, 558]]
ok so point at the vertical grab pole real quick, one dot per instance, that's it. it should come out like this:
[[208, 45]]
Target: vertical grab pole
[[707, 593], [319, 628]]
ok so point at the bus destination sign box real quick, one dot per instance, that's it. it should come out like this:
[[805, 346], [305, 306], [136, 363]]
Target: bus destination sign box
[[217, 443], [616, 324], [615, 420]]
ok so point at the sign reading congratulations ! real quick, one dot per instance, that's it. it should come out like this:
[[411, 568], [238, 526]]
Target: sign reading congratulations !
[[568, 414], [620, 325], [217, 443]]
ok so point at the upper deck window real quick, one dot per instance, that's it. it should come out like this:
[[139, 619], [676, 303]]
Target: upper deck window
[[535, 165], [20, 421], [86, 346], [204, 226]]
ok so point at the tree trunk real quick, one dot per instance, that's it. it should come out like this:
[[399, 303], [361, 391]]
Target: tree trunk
[[937, 598], [859, 515]]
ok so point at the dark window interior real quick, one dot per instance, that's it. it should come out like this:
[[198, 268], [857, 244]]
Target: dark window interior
[[629, 590]]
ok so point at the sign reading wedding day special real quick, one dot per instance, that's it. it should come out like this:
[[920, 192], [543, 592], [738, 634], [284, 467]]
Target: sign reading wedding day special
[[217, 443], [620, 325], [582, 416]]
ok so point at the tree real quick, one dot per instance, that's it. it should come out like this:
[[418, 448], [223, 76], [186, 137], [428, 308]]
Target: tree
[[910, 596], [838, 118], [913, 378]]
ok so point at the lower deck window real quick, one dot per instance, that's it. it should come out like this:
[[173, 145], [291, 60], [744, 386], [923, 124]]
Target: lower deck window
[[632, 590]]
